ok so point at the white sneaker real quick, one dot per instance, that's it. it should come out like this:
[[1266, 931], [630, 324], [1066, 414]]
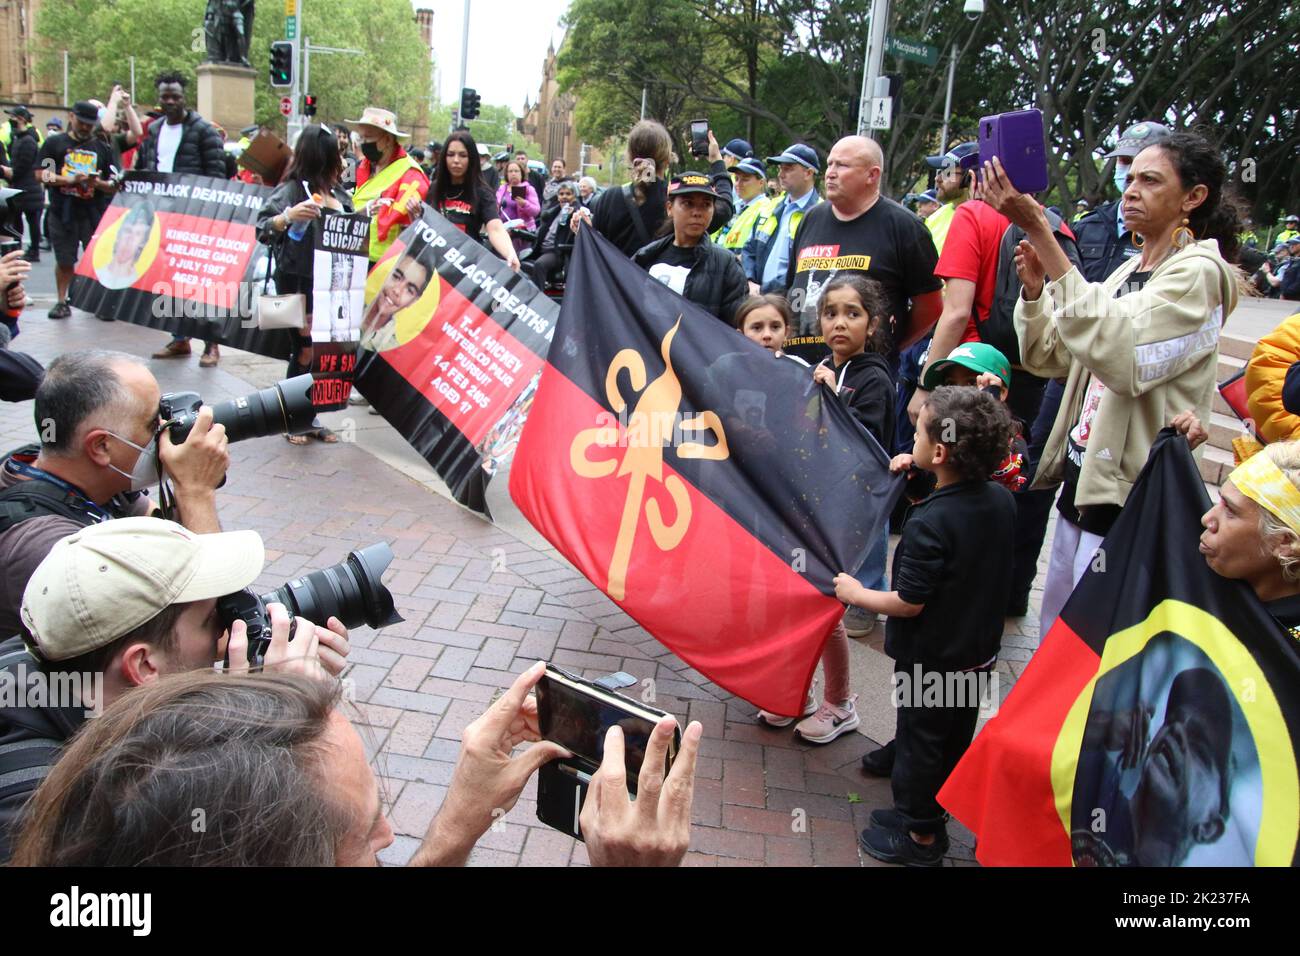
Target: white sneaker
[[829, 722], [776, 720]]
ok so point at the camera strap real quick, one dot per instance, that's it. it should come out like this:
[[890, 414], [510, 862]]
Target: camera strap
[[51, 489]]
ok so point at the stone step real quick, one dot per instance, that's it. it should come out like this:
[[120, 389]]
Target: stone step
[[1223, 429], [1237, 347], [1215, 464], [1229, 365]]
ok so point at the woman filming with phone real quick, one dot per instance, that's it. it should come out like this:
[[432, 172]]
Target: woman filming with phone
[[1141, 343], [630, 217], [518, 201]]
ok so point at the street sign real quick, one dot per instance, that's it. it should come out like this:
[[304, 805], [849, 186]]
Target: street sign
[[290, 8], [291, 28], [913, 50], [882, 112], [286, 105]]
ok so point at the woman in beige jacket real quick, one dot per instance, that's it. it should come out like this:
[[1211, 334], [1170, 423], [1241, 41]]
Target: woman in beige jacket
[[1136, 349]]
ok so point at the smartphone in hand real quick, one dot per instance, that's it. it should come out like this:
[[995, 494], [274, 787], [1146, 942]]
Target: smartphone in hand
[[1016, 139], [700, 137]]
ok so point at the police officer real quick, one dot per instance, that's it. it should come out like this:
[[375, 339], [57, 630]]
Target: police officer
[[751, 202]]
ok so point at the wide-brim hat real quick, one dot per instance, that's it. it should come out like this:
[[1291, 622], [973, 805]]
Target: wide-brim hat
[[383, 120]]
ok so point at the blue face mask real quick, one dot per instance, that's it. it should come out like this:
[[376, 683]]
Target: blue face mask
[[1121, 175]]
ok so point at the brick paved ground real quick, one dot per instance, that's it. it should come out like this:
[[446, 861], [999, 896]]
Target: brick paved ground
[[480, 605]]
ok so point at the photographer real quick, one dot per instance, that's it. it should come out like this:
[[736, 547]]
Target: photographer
[[283, 741], [117, 606], [97, 416]]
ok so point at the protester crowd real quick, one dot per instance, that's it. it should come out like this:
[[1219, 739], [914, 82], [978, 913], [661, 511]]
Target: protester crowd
[[1006, 360]]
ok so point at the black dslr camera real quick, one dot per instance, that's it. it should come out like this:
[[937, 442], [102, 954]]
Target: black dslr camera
[[283, 409], [352, 591]]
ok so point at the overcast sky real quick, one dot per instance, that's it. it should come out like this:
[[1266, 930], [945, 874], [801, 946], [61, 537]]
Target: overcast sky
[[507, 45]]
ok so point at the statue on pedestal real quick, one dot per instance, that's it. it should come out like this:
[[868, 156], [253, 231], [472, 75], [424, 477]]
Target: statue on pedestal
[[228, 28]]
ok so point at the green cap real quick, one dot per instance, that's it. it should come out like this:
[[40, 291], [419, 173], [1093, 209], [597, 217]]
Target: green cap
[[976, 356]]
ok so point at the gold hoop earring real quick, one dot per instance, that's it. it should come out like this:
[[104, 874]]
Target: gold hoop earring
[[1136, 240], [1183, 236]]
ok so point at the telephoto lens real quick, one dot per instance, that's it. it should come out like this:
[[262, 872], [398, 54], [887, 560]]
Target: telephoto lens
[[283, 409], [352, 590]]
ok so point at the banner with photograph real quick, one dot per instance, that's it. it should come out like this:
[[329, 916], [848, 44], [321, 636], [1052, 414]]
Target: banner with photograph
[[452, 343], [178, 252], [338, 300], [1156, 723]]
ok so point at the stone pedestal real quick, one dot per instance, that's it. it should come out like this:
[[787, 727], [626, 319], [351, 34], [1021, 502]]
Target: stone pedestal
[[226, 96]]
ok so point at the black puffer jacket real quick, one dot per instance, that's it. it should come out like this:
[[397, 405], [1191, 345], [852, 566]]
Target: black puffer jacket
[[716, 282], [22, 158], [201, 150]]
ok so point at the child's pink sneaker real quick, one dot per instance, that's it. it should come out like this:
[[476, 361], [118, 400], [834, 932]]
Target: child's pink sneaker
[[829, 722], [775, 720]]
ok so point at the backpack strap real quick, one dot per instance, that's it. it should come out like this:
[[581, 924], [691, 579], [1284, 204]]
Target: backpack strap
[[642, 233], [32, 499]]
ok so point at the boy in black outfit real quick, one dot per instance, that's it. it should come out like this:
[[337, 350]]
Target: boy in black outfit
[[951, 576]]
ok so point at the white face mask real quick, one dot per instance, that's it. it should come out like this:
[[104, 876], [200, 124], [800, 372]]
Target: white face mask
[[145, 473], [1121, 175]]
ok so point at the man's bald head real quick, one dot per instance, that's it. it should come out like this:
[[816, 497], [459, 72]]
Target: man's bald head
[[92, 389], [853, 172]]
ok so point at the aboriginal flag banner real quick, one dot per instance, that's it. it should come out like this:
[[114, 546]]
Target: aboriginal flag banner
[[452, 344], [711, 489], [178, 252], [1156, 723]]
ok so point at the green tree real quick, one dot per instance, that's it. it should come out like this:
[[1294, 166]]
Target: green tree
[[393, 72]]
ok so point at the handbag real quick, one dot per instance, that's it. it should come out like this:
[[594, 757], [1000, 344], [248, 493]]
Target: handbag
[[279, 311]]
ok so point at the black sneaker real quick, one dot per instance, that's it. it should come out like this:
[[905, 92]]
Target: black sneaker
[[61, 311], [32, 255], [879, 763], [895, 846], [886, 818]]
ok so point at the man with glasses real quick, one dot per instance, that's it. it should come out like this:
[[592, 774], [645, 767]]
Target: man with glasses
[[97, 417]]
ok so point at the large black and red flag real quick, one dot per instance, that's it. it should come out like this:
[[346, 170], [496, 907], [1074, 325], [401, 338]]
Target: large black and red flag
[[711, 489], [1156, 723], [179, 252], [451, 346]]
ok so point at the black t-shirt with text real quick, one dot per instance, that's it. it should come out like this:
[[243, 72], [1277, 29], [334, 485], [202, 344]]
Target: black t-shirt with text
[[469, 214], [66, 156], [887, 243]]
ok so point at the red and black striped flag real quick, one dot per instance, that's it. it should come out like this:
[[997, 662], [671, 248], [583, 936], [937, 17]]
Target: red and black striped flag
[[709, 488], [1156, 724]]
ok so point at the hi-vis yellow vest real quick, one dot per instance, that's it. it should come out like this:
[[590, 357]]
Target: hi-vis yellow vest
[[736, 233], [389, 182]]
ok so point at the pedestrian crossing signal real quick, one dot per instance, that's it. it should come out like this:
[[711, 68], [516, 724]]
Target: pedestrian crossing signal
[[309, 105], [282, 63]]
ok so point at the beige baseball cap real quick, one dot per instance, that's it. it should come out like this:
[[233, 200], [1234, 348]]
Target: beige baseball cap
[[106, 580]]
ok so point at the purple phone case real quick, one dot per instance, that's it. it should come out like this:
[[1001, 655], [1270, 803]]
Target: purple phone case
[[1016, 139]]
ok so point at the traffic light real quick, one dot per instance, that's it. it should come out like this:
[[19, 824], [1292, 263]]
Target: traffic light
[[309, 105], [282, 63], [470, 102]]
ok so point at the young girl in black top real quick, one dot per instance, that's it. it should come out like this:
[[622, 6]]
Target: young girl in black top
[[852, 312]]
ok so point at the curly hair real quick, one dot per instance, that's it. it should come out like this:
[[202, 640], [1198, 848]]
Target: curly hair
[[974, 426], [170, 76], [1198, 162], [872, 296]]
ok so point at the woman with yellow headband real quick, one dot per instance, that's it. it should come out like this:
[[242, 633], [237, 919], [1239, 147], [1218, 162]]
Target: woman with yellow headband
[[1253, 533]]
